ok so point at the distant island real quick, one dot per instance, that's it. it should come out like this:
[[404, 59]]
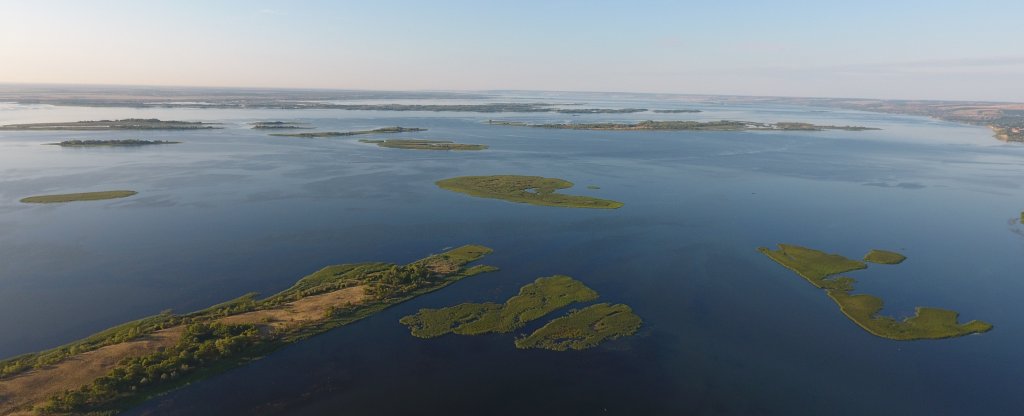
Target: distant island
[[123, 124], [320, 134], [105, 372], [677, 111], [278, 125], [599, 110], [420, 144], [821, 270], [84, 196], [884, 257], [109, 143], [579, 330], [312, 104], [535, 190], [1005, 119], [722, 125]]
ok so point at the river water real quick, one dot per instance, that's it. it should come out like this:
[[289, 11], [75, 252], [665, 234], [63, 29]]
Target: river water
[[726, 331]]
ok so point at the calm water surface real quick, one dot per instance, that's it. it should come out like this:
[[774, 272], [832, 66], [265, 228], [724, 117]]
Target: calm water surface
[[726, 331]]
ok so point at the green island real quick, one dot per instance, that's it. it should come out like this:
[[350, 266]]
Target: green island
[[677, 111], [884, 257], [600, 110], [721, 125], [580, 329], [123, 124], [420, 144], [1006, 119], [83, 196], [585, 328], [534, 190], [319, 134], [820, 269], [105, 372], [110, 143], [278, 125], [543, 296]]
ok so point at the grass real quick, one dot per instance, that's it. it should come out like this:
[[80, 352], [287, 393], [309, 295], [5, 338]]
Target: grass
[[319, 134], [813, 265], [927, 323], [113, 335], [820, 268], [381, 285], [284, 125], [535, 190], [543, 296], [110, 143], [123, 124], [683, 125], [84, 196], [585, 328], [420, 144], [884, 257]]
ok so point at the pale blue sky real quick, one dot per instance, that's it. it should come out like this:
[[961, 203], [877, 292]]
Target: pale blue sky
[[888, 49]]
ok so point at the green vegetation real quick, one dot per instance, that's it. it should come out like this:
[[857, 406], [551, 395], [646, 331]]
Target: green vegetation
[[814, 265], [1005, 119], [581, 329], [123, 124], [815, 127], [419, 144], [534, 300], [508, 123], [819, 269], [84, 196], [927, 323], [584, 328], [233, 333], [884, 257], [111, 143], [201, 345], [319, 134], [118, 334], [593, 187], [721, 125], [534, 190], [278, 125], [600, 110]]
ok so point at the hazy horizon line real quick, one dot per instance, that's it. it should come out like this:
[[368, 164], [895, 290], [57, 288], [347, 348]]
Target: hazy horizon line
[[470, 91]]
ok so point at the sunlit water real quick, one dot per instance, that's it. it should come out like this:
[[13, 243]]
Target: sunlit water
[[726, 331]]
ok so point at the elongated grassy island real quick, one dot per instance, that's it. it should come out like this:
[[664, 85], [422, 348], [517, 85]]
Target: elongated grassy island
[[139, 359], [123, 124], [821, 270], [585, 328], [420, 144], [670, 125], [320, 134], [110, 143], [281, 125], [84, 196], [536, 190], [579, 330]]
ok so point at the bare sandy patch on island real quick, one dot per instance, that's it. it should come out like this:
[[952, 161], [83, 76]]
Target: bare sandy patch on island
[[36, 386]]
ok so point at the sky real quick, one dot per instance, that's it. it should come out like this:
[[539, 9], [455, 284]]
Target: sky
[[957, 50]]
